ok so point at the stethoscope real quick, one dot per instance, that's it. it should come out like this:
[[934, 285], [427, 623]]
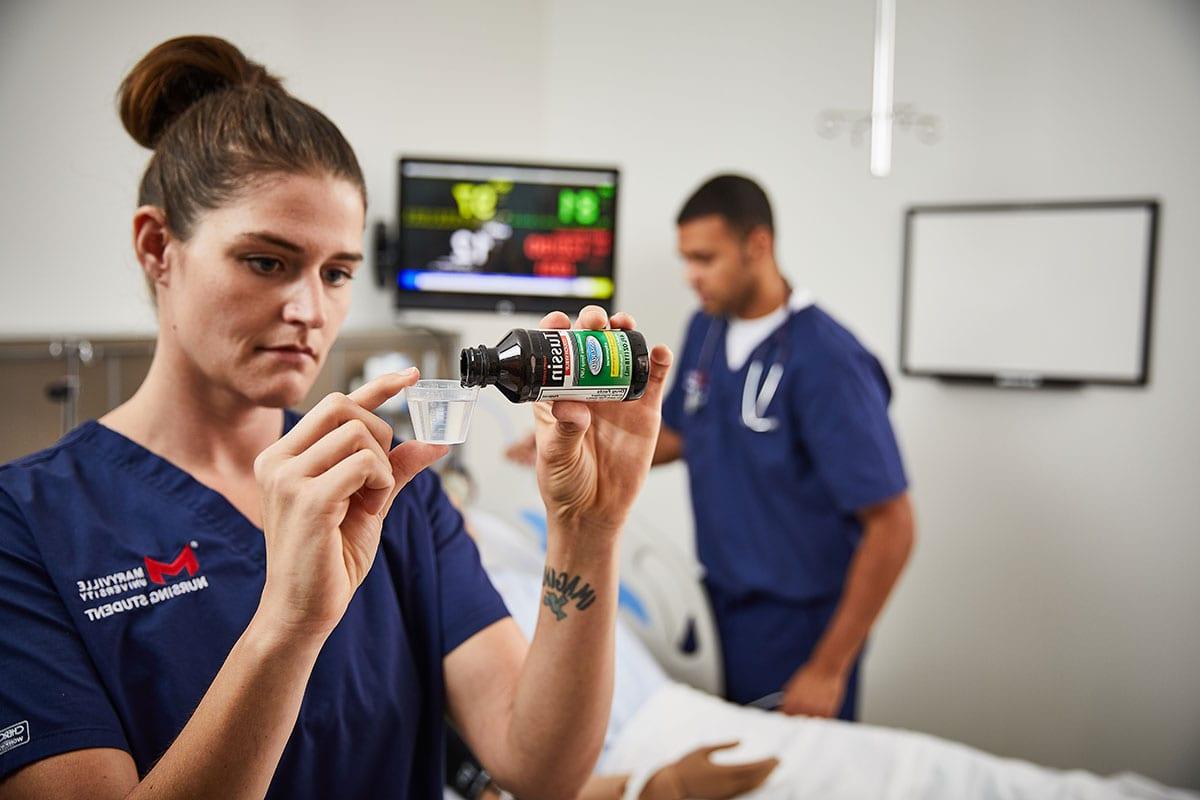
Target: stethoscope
[[756, 396]]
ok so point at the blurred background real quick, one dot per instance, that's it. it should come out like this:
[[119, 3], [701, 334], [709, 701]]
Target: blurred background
[[1050, 611]]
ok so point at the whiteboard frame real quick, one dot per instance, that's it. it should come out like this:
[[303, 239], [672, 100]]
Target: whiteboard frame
[[1028, 380]]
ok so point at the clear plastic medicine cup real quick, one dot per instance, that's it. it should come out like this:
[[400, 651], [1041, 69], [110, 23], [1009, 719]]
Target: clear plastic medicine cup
[[441, 410]]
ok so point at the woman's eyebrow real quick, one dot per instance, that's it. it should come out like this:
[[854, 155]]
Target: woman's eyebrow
[[272, 239], [292, 247]]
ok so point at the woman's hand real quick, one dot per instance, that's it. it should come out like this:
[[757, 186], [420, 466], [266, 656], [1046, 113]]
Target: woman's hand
[[592, 458], [326, 487]]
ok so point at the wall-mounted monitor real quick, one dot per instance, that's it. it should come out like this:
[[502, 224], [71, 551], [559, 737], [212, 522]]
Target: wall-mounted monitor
[[1030, 294], [513, 237]]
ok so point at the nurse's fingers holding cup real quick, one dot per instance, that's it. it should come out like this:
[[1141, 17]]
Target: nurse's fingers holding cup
[[362, 473], [336, 429], [344, 440], [336, 408], [404, 460], [407, 458], [342, 443]]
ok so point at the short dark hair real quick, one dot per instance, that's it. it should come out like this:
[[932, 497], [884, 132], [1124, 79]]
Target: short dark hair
[[738, 199]]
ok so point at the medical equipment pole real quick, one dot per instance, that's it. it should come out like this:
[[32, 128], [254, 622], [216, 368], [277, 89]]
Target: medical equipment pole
[[881, 104]]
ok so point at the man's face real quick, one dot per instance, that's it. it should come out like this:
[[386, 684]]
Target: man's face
[[717, 264]]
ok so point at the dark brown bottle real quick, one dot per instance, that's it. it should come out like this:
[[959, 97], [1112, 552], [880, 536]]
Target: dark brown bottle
[[590, 366]]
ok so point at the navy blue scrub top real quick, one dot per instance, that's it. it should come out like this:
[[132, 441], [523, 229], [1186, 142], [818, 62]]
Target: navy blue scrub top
[[124, 584], [775, 511]]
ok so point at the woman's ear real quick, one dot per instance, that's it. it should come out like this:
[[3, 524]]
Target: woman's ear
[[150, 239]]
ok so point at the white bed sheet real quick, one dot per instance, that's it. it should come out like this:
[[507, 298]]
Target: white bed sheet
[[833, 760]]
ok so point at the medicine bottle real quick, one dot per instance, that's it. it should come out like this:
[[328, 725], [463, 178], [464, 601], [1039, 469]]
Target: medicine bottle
[[531, 365]]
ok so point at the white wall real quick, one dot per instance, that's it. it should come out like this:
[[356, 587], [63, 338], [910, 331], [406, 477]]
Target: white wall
[[422, 77], [1050, 609]]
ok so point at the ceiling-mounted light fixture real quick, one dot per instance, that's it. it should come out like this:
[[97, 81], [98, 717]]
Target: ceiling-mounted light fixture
[[856, 124], [881, 97], [885, 115]]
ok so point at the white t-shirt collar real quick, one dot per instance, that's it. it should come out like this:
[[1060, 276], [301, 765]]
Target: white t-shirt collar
[[743, 336]]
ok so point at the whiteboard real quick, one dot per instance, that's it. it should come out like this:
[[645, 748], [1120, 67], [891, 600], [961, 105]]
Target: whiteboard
[[1029, 294]]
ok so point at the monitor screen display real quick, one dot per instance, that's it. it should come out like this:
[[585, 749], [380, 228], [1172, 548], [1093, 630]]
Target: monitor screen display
[[514, 237]]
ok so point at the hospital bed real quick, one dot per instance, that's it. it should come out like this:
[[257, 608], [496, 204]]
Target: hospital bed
[[663, 603]]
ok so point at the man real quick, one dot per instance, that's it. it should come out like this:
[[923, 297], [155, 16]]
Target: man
[[803, 521], [802, 517]]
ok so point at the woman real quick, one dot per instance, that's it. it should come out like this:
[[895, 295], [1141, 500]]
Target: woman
[[205, 596]]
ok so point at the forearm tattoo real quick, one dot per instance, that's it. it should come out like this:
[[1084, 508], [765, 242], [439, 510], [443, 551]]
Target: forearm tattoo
[[563, 590]]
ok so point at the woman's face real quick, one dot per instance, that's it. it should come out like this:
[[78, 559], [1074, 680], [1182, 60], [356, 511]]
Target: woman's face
[[255, 297]]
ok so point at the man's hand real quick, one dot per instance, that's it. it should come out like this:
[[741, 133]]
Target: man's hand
[[592, 458], [814, 692], [696, 776], [523, 451]]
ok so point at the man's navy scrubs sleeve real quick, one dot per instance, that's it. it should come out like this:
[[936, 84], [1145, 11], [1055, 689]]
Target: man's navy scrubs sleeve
[[51, 699], [469, 603], [845, 426]]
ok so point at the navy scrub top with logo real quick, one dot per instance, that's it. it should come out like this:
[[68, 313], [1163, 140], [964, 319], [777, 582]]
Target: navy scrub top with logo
[[775, 510], [124, 584]]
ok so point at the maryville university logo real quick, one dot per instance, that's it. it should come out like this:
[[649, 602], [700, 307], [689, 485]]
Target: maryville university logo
[[174, 578], [157, 571]]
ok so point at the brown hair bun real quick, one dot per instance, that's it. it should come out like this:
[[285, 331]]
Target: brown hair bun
[[216, 122], [177, 73]]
